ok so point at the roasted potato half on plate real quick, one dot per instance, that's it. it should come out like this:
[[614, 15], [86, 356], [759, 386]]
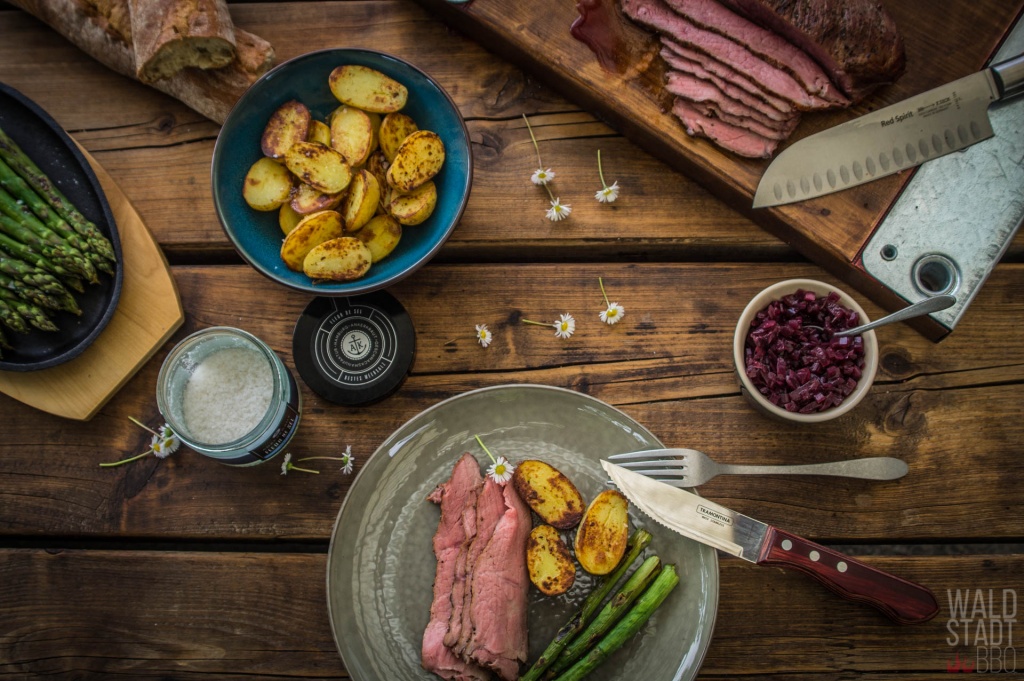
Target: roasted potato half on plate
[[352, 134], [418, 159], [306, 200], [362, 201], [549, 562], [342, 259], [393, 130], [381, 234], [288, 125], [549, 493], [319, 132], [367, 89], [603, 533], [322, 168], [416, 206], [311, 231], [267, 185]]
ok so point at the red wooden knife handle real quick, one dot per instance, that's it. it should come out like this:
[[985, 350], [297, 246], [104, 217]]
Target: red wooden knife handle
[[902, 601]]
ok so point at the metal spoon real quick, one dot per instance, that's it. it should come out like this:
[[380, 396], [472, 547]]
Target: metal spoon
[[923, 307]]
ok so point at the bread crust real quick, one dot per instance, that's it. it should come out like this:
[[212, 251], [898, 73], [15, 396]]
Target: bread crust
[[170, 35]]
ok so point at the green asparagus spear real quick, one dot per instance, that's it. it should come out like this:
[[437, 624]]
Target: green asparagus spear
[[60, 256], [629, 625], [12, 154], [63, 250], [609, 615], [637, 543], [16, 249], [32, 314], [33, 276], [29, 293], [11, 318]]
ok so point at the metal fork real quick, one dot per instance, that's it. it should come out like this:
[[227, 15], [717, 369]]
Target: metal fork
[[689, 468]]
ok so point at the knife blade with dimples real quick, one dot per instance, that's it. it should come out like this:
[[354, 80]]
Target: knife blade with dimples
[[929, 125], [726, 530]]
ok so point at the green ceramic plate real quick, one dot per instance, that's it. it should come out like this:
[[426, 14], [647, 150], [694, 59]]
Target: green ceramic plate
[[380, 568]]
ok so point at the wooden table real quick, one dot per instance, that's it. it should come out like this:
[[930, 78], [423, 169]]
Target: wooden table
[[183, 568]]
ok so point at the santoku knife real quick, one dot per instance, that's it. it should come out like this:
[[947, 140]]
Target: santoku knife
[[932, 124], [734, 533]]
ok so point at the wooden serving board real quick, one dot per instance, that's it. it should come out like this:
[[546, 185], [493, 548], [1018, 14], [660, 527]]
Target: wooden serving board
[[944, 41], [148, 312]]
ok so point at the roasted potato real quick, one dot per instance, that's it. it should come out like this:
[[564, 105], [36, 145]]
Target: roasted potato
[[367, 89], [341, 259], [319, 132], [322, 168], [287, 218], [603, 533], [381, 234], [549, 493], [416, 206], [418, 159], [352, 134], [361, 202], [393, 130], [306, 200], [311, 231], [549, 561], [267, 185], [288, 125], [378, 164]]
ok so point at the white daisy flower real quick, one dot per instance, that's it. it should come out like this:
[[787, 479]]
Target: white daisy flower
[[613, 314], [165, 442], [347, 461], [565, 326], [500, 471], [608, 194], [558, 210], [483, 335], [286, 466], [541, 176]]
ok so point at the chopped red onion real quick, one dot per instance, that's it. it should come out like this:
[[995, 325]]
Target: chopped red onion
[[793, 359]]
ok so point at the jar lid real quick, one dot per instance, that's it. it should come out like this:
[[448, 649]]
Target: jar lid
[[354, 351]]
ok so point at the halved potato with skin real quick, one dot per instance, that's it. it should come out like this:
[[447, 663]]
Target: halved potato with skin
[[311, 231], [288, 125], [322, 168], [367, 89], [549, 562], [267, 185], [603, 533], [418, 159], [416, 206], [306, 200], [381, 235], [319, 132], [342, 259], [378, 164], [287, 218], [393, 130], [361, 202], [549, 493], [352, 134]]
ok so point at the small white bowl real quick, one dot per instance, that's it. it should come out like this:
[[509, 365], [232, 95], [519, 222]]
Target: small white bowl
[[776, 292]]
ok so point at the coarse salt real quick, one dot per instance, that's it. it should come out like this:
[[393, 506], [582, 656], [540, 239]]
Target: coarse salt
[[227, 395]]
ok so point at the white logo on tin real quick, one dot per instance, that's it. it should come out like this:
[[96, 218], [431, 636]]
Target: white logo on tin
[[355, 345]]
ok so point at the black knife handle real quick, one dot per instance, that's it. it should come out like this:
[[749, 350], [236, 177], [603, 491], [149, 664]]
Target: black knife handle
[[1009, 77], [902, 601]]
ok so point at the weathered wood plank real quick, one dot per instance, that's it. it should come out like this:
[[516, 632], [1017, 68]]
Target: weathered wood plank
[[173, 615], [950, 410]]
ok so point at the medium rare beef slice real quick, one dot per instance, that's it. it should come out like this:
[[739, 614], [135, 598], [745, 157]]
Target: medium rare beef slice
[[709, 15], [500, 593], [456, 497], [856, 41], [694, 89], [657, 15], [737, 140]]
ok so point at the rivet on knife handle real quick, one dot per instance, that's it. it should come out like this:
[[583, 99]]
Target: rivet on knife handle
[[902, 601]]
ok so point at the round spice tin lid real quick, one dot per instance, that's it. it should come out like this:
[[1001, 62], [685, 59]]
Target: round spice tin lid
[[354, 351]]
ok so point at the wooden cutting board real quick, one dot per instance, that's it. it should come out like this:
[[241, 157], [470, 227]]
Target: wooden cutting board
[[148, 312], [944, 41]]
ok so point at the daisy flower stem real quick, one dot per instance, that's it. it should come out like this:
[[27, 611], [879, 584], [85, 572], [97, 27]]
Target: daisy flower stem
[[134, 458], [314, 458], [600, 171], [540, 164], [142, 425], [486, 451], [304, 470], [530, 321], [599, 282]]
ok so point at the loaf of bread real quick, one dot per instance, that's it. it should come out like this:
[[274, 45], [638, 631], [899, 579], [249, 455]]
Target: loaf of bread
[[171, 35], [102, 29]]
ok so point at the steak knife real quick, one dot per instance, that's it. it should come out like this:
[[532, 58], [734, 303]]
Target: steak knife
[[932, 124], [736, 534]]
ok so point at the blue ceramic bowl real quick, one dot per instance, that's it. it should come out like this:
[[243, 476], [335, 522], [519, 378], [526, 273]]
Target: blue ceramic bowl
[[257, 236]]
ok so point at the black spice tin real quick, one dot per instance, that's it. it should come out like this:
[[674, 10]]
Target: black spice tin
[[354, 351]]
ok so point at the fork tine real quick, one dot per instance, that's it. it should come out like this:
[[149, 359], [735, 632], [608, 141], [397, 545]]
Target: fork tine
[[669, 463], [681, 482], [659, 473], [639, 456]]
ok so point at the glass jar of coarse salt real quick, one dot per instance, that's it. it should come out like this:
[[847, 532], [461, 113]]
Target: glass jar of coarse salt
[[228, 396]]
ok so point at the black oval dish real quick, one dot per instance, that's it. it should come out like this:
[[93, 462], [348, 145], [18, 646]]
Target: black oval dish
[[46, 143]]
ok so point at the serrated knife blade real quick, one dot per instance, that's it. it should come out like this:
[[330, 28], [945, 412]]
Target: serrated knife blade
[[929, 125], [722, 528]]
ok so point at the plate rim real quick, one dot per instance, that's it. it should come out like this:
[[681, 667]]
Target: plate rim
[[321, 289], [383, 447], [112, 235]]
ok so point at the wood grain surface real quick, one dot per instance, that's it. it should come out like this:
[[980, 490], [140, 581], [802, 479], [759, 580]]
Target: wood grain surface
[[182, 568]]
